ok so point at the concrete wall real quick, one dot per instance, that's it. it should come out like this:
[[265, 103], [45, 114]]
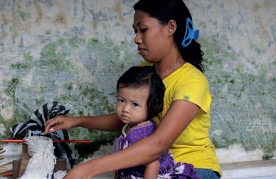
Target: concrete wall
[[73, 51]]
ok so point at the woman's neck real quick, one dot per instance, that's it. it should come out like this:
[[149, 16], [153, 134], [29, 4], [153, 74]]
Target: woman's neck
[[168, 65]]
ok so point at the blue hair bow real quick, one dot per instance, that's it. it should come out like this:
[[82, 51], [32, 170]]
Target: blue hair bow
[[190, 33]]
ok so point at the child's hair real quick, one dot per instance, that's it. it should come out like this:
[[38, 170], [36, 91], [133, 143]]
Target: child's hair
[[138, 76], [166, 10]]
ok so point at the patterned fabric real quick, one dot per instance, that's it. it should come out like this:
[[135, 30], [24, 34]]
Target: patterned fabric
[[36, 127], [169, 169]]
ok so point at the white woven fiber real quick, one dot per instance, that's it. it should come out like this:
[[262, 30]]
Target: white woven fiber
[[42, 162], [59, 174]]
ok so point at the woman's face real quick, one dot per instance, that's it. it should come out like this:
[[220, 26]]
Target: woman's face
[[151, 37]]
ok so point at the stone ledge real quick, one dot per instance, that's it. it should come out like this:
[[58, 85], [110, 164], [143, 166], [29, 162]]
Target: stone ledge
[[249, 169]]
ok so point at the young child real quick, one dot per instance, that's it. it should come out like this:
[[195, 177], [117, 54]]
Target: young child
[[140, 93]]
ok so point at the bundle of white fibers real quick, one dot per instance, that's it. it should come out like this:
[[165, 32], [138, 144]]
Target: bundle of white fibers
[[59, 174], [42, 162]]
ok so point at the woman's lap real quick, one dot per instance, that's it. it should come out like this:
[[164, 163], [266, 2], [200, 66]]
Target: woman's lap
[[206, 173]]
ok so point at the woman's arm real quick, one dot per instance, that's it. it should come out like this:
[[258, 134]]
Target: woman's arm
[[146, 150], [109, 122], [152, 170]]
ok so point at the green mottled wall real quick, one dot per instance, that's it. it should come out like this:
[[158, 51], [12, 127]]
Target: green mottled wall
[[74, 51], [239, 41]]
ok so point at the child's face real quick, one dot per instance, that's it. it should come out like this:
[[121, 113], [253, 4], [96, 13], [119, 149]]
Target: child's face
[[131, 104]]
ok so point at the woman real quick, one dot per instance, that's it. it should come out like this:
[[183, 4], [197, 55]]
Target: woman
[[166, 39]]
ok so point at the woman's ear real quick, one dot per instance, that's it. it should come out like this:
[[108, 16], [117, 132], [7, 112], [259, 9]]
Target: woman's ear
[[171, 27]]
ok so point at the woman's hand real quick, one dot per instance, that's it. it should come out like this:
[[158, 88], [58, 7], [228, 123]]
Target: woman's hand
[[109, 122], [59, 123]]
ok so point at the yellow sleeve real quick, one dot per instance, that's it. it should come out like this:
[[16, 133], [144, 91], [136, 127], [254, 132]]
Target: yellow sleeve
[[195, 89]]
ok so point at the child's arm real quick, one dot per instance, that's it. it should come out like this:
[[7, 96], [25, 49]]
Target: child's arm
[[152, 170]]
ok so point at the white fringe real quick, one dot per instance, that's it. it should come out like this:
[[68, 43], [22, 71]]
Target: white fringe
[[59, 174], [42, 162]]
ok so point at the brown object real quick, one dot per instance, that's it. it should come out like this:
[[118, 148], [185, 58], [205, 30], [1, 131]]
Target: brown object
[[4, 167], [19, 166]]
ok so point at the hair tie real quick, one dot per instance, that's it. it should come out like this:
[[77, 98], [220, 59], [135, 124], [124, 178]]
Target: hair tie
[[190, 33]]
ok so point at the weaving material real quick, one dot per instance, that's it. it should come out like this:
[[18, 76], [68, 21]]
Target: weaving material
[[59, 174], [36, 126], [42, 162]]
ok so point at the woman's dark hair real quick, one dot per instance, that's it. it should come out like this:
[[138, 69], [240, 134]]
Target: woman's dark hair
[[138, 76], [166, 10]]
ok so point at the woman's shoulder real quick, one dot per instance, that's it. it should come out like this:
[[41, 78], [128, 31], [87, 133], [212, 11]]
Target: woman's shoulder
[[186, 74], [191, 70]]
